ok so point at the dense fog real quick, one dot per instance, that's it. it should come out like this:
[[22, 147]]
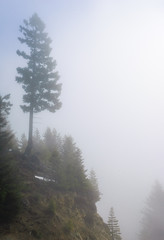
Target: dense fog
[[110, 58]]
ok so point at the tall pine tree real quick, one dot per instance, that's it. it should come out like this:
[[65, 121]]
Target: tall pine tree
[[39, 78]]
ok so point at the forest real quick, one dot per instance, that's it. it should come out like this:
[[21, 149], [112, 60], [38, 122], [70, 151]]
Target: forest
[[52, 159], [52, 164]]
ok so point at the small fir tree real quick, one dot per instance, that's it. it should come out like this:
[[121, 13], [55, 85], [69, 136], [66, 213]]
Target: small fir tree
[[52, 145], [51, 139], [94, 189], [23, 143], [37, 141], [56, 168], [39, 78], [113, 226], [5, 134]]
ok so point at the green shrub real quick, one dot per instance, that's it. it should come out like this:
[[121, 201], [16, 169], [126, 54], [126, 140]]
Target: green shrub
[[68, 227], [51, 207], [36, 234], [10, 191], [89, 218]]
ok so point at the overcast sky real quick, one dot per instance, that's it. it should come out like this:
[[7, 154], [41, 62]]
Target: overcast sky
[[110, 56]]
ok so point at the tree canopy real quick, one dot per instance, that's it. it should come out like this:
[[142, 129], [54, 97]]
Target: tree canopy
[[39, 78]]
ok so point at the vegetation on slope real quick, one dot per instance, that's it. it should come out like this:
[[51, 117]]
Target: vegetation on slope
[[50, 213], [46, 195]]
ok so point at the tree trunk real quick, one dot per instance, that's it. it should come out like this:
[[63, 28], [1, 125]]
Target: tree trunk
[[32, 88], [30, 143]]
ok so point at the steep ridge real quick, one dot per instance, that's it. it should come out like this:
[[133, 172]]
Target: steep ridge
[[51, 214]]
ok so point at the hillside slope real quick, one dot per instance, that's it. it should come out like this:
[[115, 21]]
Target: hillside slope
[[51, 214]]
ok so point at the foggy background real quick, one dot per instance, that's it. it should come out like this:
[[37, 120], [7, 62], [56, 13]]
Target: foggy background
[[110, 56]]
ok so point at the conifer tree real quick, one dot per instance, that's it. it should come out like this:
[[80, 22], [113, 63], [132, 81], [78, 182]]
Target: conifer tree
[[9, 187], [94, 189], [23, 143], [56, 168], [39, 78], [52, 145], [153, 215], [5, 134], [37, 141], [113, 226], [74, 172], [51, 139]]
